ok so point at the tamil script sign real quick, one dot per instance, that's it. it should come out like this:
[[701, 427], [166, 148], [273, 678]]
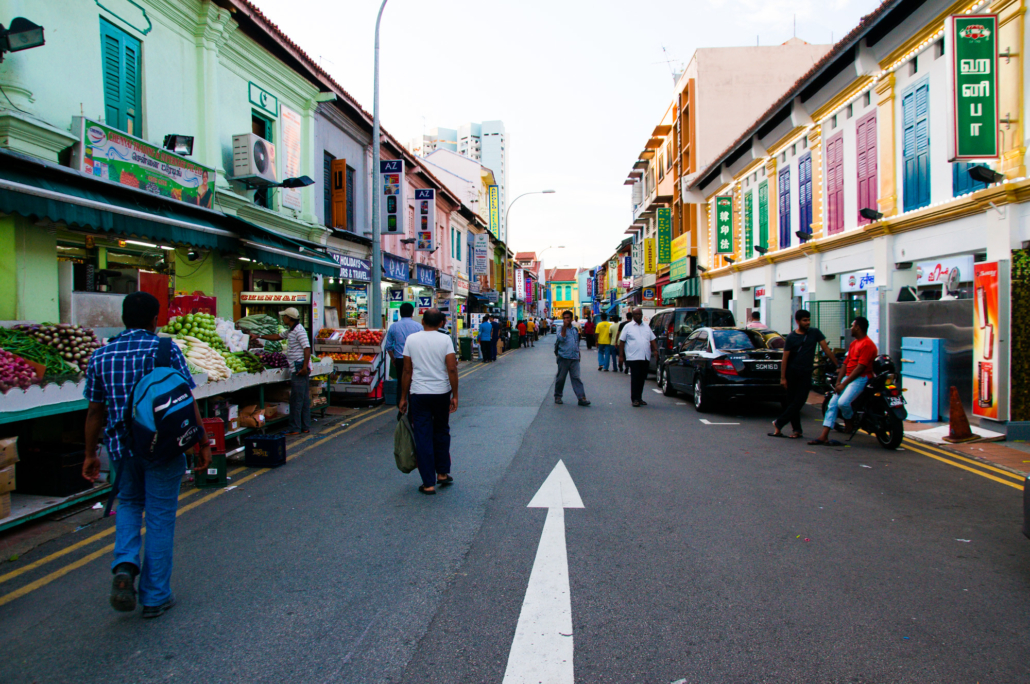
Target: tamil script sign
[[275, 298], [724, 224], [664, 220], [111, 155], [494, 197], [974, 70], [480, 254]]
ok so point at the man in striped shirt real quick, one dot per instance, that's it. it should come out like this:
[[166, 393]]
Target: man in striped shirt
[[298, 353]]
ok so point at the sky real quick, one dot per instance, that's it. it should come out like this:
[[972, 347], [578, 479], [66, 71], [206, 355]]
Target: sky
[[579, 85]]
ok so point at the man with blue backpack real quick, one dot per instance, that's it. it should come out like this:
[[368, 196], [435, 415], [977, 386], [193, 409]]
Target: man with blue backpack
[[140, 401]]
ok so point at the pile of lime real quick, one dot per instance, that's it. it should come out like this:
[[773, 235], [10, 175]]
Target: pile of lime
[[199, 325]]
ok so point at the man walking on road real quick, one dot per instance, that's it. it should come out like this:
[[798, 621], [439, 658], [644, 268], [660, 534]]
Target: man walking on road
[[486, 345], [566, 348], [429, 387], [396, 335], [636, 346], [588, 332], [796, 371], [851, 380], [604, 343], [111, 376], [521, 328], [623, 368], [496, 339], [531, 332]]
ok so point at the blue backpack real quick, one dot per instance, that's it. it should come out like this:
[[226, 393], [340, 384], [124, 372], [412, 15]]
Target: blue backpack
[[163, 421]]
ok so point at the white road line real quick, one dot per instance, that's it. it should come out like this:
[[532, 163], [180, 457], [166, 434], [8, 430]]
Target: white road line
[[655, 389], [542, 648], [708, 422]]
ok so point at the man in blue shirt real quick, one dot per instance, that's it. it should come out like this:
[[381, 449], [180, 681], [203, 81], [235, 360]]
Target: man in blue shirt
[[566, 349], [397, 335], [486, 336], [113, 372]]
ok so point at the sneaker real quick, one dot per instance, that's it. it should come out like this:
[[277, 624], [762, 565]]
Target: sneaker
[[158, 611], [123, 588], [558, 400]]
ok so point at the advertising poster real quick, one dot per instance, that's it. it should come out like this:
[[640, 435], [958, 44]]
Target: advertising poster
[[480, 254], [680, 247], [664, 220], [392, 197], [724, 224], [986, 346], [650, 256], [425, 220], [291, 155], [520, 284], [110, 155], [494, 197], [974, 77]]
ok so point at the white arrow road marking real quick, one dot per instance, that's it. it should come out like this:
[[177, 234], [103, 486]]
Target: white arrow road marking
[[655, 389], [541, 652], [708, 422]]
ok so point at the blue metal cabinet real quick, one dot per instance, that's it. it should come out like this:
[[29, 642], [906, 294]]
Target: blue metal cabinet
[[922, 373]]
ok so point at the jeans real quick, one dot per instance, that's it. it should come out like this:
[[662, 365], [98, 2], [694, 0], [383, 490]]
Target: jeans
[[607, 355], [155, 490], [568, 367], [637, 376], [429, 415], [300, 404], [799, 385], [842, 402]]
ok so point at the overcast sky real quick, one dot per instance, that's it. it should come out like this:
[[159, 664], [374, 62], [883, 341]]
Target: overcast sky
[[579, 85]]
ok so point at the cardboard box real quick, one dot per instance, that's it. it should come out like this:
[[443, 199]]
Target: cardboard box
[[277, 393], [7, 479], [282, 408], [5, 506], [8, 451]]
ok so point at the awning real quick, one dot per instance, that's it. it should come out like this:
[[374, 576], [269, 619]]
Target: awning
[[691, 287], [612, 309], [45, 191], [268, 247], [629, 294]]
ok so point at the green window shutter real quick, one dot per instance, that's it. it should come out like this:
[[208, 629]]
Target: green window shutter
[[121, 71], [763, 215], [748, 224]]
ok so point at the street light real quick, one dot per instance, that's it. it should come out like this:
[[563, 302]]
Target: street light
[[507, 238], [375, 319]]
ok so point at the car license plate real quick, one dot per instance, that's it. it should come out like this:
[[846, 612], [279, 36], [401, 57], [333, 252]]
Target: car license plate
[[767, 366], [895, 401]]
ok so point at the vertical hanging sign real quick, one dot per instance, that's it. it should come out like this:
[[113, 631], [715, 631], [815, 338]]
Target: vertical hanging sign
[[724, 224], [392, 197], [974, 76], [291, 156], [425, 220], [494, 197], [990, 296], [664, 220], [520, 284], [650, 256], [480, 254]]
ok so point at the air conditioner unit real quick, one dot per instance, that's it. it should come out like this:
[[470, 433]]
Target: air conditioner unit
[[253, 160]]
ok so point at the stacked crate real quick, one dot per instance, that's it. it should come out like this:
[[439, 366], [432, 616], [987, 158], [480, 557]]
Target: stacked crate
[[214, 476]]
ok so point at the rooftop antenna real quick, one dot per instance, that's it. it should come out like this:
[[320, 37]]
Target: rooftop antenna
[[672, 70]]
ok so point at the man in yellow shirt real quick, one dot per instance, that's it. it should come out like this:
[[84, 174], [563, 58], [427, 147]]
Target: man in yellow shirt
[[605, 349], [531, 332]]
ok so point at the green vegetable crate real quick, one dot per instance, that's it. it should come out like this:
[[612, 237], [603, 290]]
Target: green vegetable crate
[[214, 477]]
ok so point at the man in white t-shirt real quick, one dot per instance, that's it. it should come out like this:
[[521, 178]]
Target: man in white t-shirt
[[636, 346], [429, 387]]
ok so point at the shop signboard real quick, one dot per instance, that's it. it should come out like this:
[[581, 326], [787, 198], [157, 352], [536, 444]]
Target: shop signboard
[[446, 282], [679, 269], [424, 304], [352, 268], [627, 267], [491, 296], [425, 220], [724, 224], [680, 247], [462, 286], [974, 85], [275, 298], [859, 281], [760, 292], [291, 144], [396, 269], [396, 295], [800, 289], [649, 295], [480, 254], [109, 154], [637, 257], [937, 271], [494, 199], [664, 221], [990, 293], [529, 291], [520, 284], [425, 275], [393, 197], [650, 256]]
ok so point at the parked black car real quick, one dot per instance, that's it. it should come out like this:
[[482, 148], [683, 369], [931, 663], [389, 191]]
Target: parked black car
[[716, 364], [672, 326]]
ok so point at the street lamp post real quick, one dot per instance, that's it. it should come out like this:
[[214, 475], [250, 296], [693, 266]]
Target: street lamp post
[[376, 317], [507, 240]]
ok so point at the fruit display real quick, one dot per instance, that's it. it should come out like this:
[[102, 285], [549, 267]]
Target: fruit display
[[15, 372], [251, 363], [273, 359], [350, 357], [363, 337], [201, 355], [199, 326], [325, 333], [29, 347]]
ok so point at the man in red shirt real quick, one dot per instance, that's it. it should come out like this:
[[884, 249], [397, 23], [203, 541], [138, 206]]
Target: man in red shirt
[[851, 380], [521, 327]]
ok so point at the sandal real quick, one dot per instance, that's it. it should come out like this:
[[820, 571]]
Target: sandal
[[448, 480], [428, 492], [776, 434]]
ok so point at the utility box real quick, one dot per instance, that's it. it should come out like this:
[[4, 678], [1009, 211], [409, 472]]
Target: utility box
[[923, 377]]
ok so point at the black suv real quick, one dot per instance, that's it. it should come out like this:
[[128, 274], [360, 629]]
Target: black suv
[[672, 326]]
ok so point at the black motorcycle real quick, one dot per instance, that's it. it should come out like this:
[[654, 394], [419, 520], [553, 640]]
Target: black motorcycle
[[880, 408]]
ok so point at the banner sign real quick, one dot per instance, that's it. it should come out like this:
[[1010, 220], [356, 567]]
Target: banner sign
[[447, 282], [680, 247], [290, 154], [113, 156], [650, 256], [974, 73], [275, 298], [425, 220], [396, 269], [425, 275], [352, 268], [859, 281], [494, 197], [679, 269], [480, 254], [724, 224], [664, 221], [393, 194], [520, 284], [987, 286], [937, 272]]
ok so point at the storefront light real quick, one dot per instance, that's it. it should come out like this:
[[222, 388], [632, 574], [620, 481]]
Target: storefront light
[[141, 244], [243, 259]]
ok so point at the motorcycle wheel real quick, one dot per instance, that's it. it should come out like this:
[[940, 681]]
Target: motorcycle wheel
[[890, 437]]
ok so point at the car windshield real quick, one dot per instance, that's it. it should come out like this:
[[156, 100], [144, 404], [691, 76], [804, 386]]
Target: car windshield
[[736, 340], [722, 319]]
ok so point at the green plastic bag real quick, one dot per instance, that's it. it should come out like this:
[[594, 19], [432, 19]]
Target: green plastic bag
[[404, 445]]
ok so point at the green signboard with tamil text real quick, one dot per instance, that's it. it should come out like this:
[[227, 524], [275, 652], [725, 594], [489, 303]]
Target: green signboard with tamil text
[[974, 39], [724, 224], [664, 220]]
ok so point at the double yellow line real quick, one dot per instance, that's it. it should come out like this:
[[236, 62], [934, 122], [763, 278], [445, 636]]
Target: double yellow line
[[61, 572], [971, 465]]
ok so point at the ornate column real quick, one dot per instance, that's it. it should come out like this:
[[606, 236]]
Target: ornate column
[[885, 151]]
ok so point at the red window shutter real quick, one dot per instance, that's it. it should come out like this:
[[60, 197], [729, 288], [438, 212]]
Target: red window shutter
[[835, 184], [865, 131]]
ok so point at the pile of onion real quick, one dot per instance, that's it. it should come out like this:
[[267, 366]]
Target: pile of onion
[[74, 343], [15, 372]]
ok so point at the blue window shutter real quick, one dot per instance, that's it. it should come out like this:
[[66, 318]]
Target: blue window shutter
[[784, 187], [915, 106], [961, 183], [121, 72], [805, 193]]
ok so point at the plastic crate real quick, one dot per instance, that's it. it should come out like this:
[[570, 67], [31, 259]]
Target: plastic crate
[[214, 476], [215, 429], [264, 451]]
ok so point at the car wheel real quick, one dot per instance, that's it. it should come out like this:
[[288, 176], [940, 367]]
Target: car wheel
[[701, 401], [667, 388]]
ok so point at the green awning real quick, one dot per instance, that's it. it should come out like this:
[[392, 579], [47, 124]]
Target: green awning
[[293, 257], [39, 191], [691, 287]]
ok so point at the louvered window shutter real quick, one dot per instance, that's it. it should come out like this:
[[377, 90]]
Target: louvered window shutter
[[865, 132], [784, 191], [763, 214], [327, 189], [916, 147], [339, 194], [805, 193], [835, 184], [121, 72]]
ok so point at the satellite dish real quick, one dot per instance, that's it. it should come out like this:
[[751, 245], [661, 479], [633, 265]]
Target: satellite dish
[[950, 284]]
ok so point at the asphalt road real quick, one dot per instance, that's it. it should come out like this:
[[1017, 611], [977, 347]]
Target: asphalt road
[[704, 553]]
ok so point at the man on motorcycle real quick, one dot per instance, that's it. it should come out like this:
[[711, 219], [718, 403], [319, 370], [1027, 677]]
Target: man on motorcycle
[[851, 380]]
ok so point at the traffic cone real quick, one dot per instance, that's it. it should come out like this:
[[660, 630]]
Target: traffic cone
[[958, 424]]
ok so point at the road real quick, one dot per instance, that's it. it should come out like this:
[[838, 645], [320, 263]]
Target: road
[[703, 552]]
